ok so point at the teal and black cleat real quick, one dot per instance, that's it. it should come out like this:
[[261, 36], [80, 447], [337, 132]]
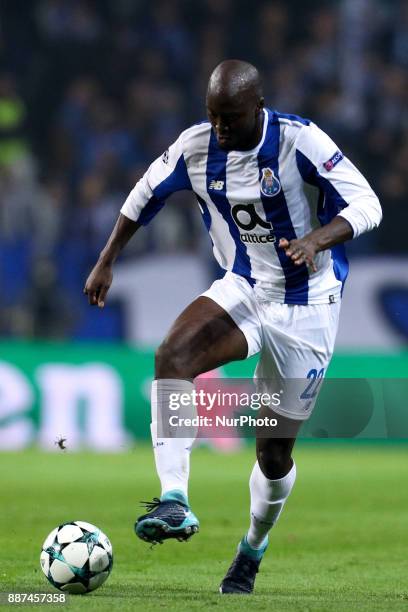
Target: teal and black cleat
[[167, 517], [240, 578]]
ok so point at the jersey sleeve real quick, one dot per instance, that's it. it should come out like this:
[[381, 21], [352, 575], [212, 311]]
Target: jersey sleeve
[[166, 175], [346, 191]]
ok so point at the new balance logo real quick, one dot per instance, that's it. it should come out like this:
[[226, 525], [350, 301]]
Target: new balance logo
[[217, 185]]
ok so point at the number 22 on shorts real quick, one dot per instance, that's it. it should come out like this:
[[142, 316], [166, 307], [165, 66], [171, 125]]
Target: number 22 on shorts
[[312, 388]]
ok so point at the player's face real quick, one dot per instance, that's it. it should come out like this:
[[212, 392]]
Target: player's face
[[234, 121]]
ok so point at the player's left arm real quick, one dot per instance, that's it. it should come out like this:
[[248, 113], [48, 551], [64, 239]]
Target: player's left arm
[[322, 164], [303, 250]]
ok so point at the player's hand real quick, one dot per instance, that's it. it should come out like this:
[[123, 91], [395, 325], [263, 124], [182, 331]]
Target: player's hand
[[98, 283], [300, 251]]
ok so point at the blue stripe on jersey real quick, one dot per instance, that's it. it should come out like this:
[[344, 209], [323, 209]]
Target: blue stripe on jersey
[[176, 181], [150, 210], [328, 207], [292, 117], [206, 215], [276, 211], [217, 171]]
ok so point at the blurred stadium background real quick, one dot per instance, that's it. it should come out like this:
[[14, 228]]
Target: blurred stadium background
[[90, 93]]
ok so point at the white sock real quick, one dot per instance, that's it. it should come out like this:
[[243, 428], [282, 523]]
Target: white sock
[[172, 455], [267, 500]]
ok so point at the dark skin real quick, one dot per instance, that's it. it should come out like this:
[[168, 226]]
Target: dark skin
[[204, 336]]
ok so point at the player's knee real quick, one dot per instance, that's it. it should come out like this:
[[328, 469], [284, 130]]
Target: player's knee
[[171, 361], [274, 461]]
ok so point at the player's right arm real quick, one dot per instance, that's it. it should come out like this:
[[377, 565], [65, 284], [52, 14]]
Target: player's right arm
[[100, 279], [166, 175]]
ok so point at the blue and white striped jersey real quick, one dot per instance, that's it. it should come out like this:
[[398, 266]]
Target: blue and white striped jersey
[[292, 182]]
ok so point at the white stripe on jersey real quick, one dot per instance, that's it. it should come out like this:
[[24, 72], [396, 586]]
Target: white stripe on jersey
[[295, 180]]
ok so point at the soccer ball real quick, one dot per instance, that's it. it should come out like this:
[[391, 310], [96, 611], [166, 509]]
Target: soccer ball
[[76, 557]]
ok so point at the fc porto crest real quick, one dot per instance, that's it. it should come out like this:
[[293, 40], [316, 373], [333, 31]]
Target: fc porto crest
[[270, 185]]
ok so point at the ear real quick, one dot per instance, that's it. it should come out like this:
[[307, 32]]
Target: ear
[[261, 102]]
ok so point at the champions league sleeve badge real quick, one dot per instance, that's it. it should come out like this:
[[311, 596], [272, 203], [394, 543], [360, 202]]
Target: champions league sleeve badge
[[270, 185], [333, 161]]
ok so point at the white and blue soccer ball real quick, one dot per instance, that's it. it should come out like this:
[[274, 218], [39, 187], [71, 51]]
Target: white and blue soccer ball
[[76, 557]]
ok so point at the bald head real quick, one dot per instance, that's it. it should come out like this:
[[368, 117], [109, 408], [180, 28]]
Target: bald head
[[233, 78], [234, 105]]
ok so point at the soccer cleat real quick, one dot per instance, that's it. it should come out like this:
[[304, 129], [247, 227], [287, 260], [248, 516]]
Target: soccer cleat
[[240, 578], [167, 517]]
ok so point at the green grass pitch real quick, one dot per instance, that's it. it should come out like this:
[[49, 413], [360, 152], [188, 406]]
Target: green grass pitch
[[341, 543]]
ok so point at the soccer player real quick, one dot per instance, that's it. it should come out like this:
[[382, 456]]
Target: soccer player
[[279, 199]]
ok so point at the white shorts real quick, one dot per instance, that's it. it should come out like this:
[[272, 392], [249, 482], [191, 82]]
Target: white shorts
[[294, 341]]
